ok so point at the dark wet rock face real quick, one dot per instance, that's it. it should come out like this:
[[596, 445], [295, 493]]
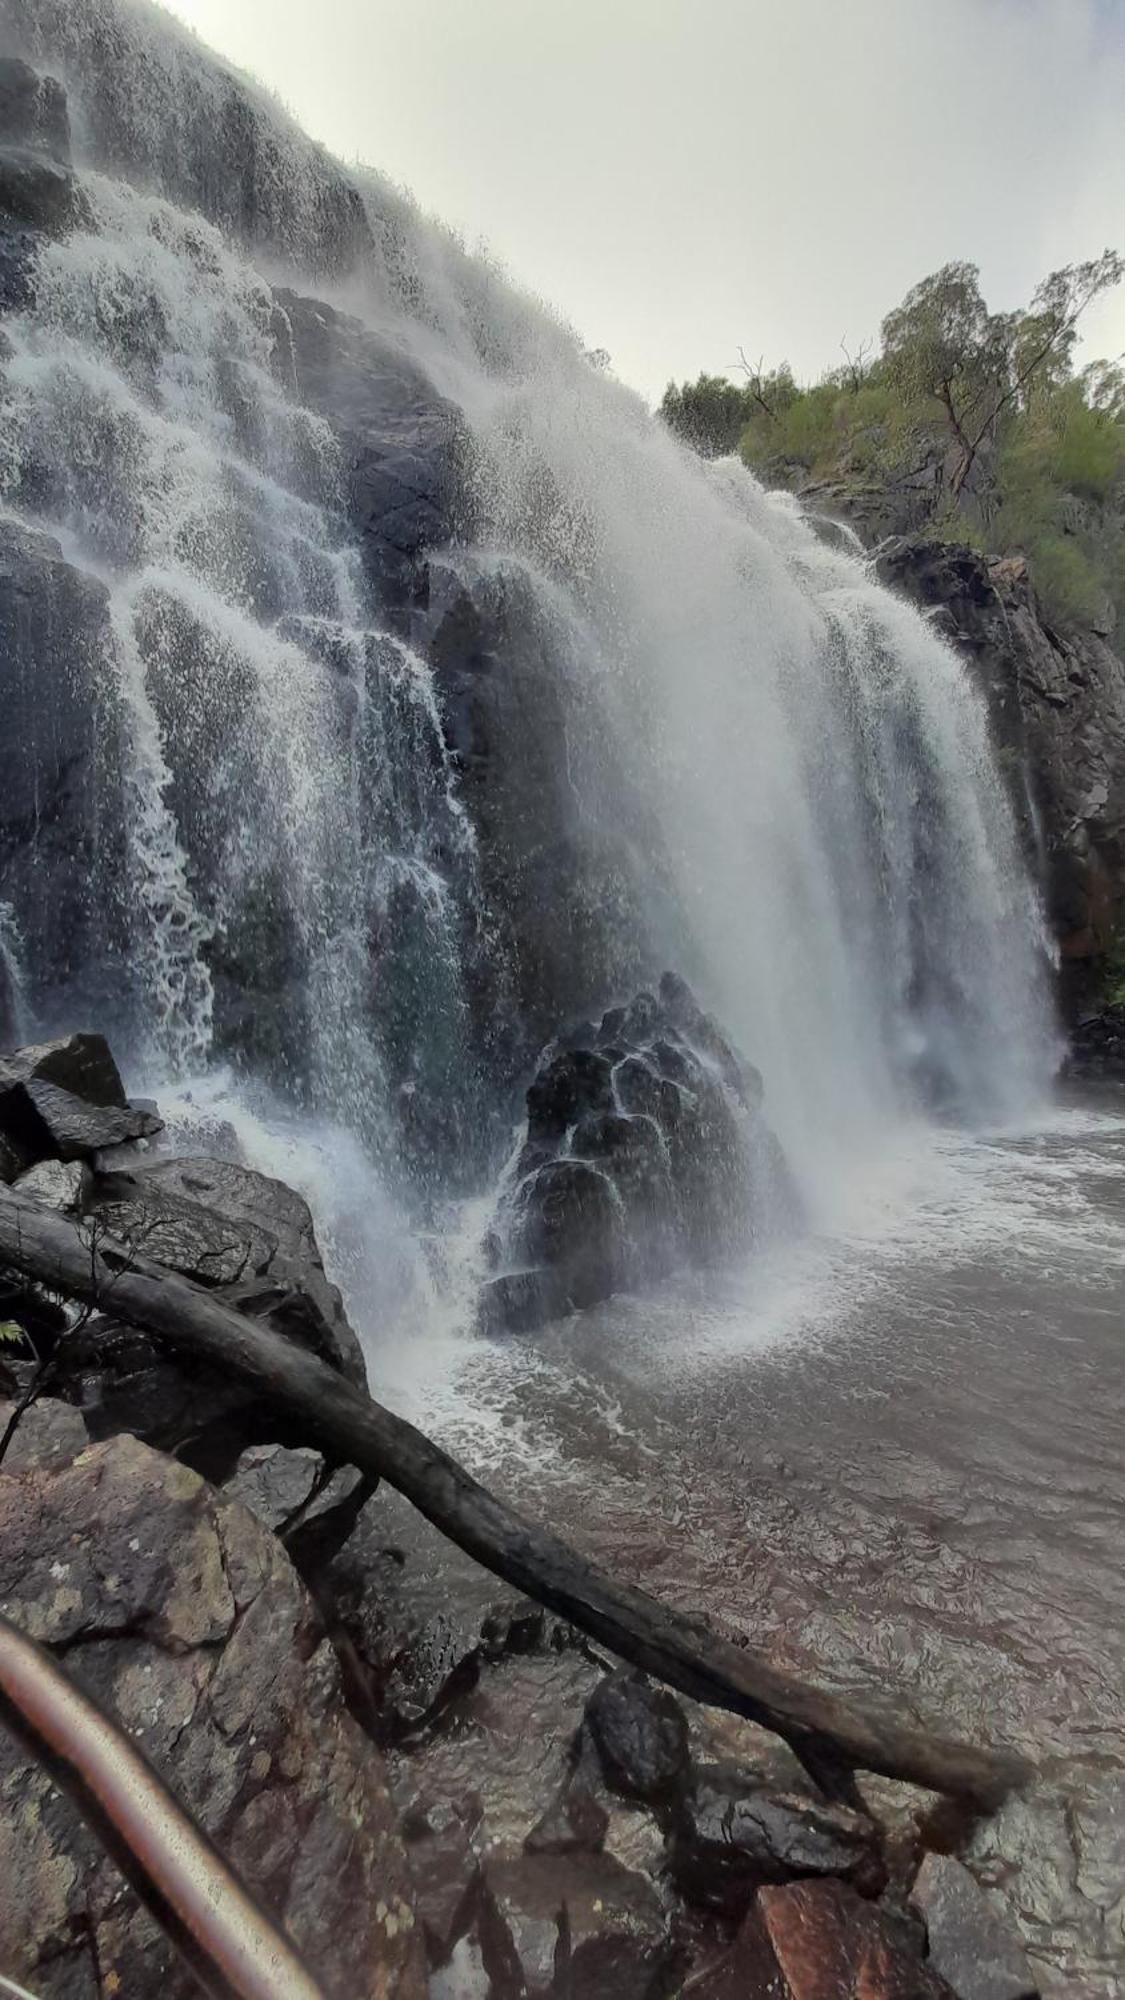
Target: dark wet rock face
[[62, 791], [645, 1149], [182, 1616], [400, 441], [1057, 703]]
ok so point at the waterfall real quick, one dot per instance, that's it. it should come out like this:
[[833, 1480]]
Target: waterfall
[[740, 755]]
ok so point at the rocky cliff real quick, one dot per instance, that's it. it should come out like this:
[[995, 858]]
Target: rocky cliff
[[1057, 702]]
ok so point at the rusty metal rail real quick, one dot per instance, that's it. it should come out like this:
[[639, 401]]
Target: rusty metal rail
[[233, 1948]]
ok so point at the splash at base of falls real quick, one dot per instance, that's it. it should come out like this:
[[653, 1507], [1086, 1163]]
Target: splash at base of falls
[[449, 698]]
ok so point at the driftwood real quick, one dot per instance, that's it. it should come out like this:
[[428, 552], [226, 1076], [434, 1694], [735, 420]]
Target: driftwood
[[195, 1896], [827, 1733]]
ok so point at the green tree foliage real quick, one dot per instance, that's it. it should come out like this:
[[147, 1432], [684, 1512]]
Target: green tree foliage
[[982, 413], [710, 414]]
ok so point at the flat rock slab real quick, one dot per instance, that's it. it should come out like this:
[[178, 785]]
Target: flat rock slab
[[183, 1617], [970, 1945]]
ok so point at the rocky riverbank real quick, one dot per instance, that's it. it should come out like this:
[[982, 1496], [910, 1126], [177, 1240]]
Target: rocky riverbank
[[432, 1782]]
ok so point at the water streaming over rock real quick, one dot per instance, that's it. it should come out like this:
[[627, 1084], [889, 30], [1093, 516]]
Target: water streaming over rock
[[453, 696]]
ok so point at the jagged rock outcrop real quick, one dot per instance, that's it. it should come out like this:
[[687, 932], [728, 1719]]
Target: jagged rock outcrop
[[1057, 702], [183, 1617], [645, 1147], [65, 1101], [66, 1133]]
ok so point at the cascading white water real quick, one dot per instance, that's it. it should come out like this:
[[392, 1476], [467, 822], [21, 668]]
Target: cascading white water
[[816, 825], [143, 401]]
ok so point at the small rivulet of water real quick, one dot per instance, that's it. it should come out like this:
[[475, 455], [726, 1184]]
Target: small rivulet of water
[[777, 777]]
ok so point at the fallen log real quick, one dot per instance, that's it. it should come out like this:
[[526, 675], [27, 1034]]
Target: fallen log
[[352, 1428]]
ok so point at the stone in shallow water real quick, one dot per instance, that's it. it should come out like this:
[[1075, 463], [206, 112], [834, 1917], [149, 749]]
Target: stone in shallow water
[[645, 1148], [970, 1945], [733, 1836], [641, 1734]]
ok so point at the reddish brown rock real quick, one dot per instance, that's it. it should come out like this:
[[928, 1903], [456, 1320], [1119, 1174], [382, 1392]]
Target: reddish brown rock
[[184, 1618], [817, 1941]]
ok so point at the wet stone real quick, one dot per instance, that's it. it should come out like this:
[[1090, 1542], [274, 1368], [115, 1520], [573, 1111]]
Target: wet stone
[[446, 1876], [575, 1925], [732, 1836], [575, 1822], [979, 1954], [818, 1941], [641, 1736], [65, 1099]]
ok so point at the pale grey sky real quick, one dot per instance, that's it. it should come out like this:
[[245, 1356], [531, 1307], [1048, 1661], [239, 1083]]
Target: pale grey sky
[[682, 177]]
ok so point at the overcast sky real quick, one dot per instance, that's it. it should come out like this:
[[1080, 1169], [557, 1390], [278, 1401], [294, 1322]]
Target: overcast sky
[[685, 177]]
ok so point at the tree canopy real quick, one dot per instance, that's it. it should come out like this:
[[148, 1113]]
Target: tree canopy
[[984, 413]]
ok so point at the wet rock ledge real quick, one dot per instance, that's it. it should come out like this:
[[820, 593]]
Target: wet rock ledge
[[435, 1786]]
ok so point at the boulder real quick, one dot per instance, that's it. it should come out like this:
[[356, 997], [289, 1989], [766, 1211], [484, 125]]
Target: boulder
[[645, 1148], [63, 1100], [641, 1736], [181, 1615], [817, 1941], [64, 1185], [418, 1614], [976, 1951], [731, 1835], [251, 1237]]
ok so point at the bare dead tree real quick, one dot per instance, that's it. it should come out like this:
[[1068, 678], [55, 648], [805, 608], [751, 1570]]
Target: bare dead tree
[[755, 380]]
